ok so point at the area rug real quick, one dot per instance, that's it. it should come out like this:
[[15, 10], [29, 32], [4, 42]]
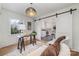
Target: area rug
[[28, 49]]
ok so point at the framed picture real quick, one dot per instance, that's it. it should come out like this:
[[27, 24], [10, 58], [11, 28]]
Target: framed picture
[[16, 26], [29, 25]]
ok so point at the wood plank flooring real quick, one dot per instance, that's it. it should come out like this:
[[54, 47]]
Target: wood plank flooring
[[74, 53], [7, 49]]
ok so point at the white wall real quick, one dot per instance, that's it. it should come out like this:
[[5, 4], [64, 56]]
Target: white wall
[[75, 28], [64, 27], [68, 25], [39, 25], [38, 29], [74, 43], [5, 37]]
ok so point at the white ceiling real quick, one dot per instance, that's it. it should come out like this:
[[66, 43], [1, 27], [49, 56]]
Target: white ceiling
[[42, 8]]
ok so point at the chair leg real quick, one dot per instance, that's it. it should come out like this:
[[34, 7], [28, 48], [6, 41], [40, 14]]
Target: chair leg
[[19, 40], [23, 45], [18, 45], [21, 48]]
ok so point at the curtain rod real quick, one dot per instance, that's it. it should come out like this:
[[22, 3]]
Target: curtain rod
[[57, 14]]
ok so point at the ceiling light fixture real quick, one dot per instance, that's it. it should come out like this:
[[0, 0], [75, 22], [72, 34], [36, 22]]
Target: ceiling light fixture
[[30, 11]]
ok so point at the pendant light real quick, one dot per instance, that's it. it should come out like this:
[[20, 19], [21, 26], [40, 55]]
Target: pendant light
[[30, 11]]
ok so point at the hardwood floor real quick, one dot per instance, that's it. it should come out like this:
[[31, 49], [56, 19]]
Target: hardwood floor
[[8, 49], [74, 53]]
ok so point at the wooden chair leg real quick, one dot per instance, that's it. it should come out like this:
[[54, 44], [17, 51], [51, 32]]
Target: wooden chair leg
[[18, 45], [19, 40], [21, 48], [23, 45]]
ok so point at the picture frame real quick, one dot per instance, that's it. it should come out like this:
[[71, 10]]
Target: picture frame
[[29, 24]]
